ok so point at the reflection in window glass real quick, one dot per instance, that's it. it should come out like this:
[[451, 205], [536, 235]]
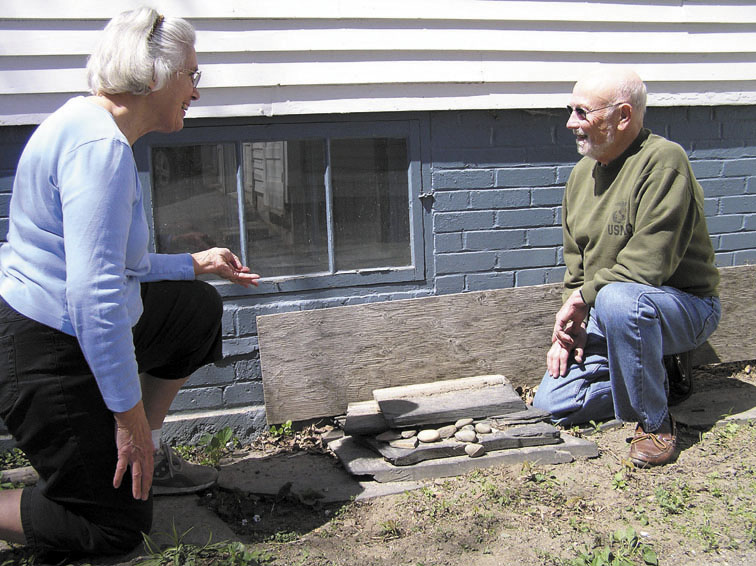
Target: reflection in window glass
[[194, 197], [370, 203], [285, 210], [284, 207]]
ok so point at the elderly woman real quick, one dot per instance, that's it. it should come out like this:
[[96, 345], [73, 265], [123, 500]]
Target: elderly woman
[[97, 334]]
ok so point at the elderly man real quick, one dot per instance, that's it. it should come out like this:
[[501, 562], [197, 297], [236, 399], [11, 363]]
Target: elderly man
[[640, 281]]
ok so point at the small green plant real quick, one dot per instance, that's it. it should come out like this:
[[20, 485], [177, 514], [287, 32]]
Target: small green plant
[[640, 515], [619, 482], [216, 445], [674, 500], [285, 536], [180, 553], [284, 429], [624, 549], [389, 529], [727, 432], [13, 458]]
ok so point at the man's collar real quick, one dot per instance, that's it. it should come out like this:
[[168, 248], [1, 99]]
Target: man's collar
[[633, 148]]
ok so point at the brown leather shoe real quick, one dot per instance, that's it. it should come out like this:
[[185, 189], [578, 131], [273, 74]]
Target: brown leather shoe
[[654, 448]]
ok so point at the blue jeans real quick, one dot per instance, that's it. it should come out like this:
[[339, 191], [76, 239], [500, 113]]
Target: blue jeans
[[631, 328]]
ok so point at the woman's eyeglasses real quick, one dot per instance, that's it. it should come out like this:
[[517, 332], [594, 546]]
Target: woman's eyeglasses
[[194, 76]]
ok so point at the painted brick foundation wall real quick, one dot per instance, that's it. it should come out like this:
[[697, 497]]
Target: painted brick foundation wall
[[496, 180]]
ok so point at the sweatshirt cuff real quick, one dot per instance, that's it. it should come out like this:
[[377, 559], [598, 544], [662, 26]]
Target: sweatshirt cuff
[[588, 292]]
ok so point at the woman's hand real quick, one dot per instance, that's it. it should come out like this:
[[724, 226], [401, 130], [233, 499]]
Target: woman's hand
[[135, 450], [222, 262]]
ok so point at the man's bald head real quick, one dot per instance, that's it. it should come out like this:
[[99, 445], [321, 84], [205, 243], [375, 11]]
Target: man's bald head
[[616, 84], [607, 109]]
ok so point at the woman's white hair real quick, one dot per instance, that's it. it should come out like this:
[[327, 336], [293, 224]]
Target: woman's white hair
[[138, 52]]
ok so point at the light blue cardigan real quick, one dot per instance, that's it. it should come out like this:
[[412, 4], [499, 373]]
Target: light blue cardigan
[[77, 244]]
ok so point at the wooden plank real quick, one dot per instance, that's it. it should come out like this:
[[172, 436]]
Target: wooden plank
[[256, 39], [447, 401], [417, 10], [515, 437], [734, 339], [315, 363], [361, 461]]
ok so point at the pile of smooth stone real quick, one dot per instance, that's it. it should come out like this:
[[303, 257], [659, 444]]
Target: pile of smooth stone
[[465, 430]]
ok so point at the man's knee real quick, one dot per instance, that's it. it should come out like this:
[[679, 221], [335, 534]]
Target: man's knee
[[617, 304], [616, 297]]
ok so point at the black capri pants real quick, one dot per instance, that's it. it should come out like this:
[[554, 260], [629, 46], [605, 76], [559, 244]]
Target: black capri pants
[[50, 402]]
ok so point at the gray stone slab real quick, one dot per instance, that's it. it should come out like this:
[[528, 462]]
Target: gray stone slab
[[362, 461], [195, 522], [312, 476], [515, 437], [448, 400], [704, 409]]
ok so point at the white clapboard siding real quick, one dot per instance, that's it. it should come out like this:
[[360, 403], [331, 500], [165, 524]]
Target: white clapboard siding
[[261, 57]]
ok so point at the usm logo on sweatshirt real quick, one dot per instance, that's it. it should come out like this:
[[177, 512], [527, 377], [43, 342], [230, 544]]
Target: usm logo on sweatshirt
[[619, 225]]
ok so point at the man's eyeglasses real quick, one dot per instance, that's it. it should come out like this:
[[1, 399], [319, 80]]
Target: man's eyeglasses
[[194, 76], [582, 113]]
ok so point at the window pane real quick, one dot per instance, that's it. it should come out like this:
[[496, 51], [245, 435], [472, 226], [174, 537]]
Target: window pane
[[370, 203], [285, 210], [194, 197]]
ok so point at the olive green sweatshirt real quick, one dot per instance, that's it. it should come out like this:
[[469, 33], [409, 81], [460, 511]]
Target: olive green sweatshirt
[[639, 219]]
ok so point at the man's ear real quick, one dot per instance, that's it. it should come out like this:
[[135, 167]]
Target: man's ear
[[626, 116]]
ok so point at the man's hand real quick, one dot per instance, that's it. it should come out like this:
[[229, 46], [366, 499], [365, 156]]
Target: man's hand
[[223, 262], [569, 320], [135, 450], [569, 336], [557, 360]]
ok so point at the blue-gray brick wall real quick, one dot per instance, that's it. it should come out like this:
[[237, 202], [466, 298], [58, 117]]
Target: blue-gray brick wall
[[496, 180]]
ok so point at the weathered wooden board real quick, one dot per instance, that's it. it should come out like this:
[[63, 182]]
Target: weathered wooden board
[[516, 437], [361, 461], [314, 363], [735, 338], [446, 401]]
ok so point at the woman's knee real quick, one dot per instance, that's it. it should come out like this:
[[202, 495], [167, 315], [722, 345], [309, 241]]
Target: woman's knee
[[122, 537], [210, 299]]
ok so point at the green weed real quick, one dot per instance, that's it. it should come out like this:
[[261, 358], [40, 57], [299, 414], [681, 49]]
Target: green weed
[[284, 429], [179, 553], [13, 458], [624, 549], [215, 446], [674, 500], [389, 529], [619, 482]]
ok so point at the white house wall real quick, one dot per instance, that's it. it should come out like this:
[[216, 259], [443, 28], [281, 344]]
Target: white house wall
[[261, 57]]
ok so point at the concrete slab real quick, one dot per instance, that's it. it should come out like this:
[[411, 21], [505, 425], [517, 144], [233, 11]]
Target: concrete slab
[[360, 460], [195, 522], [312, 476], [734, 401]]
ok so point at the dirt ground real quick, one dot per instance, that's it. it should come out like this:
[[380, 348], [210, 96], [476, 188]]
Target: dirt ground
[[699, 510]]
